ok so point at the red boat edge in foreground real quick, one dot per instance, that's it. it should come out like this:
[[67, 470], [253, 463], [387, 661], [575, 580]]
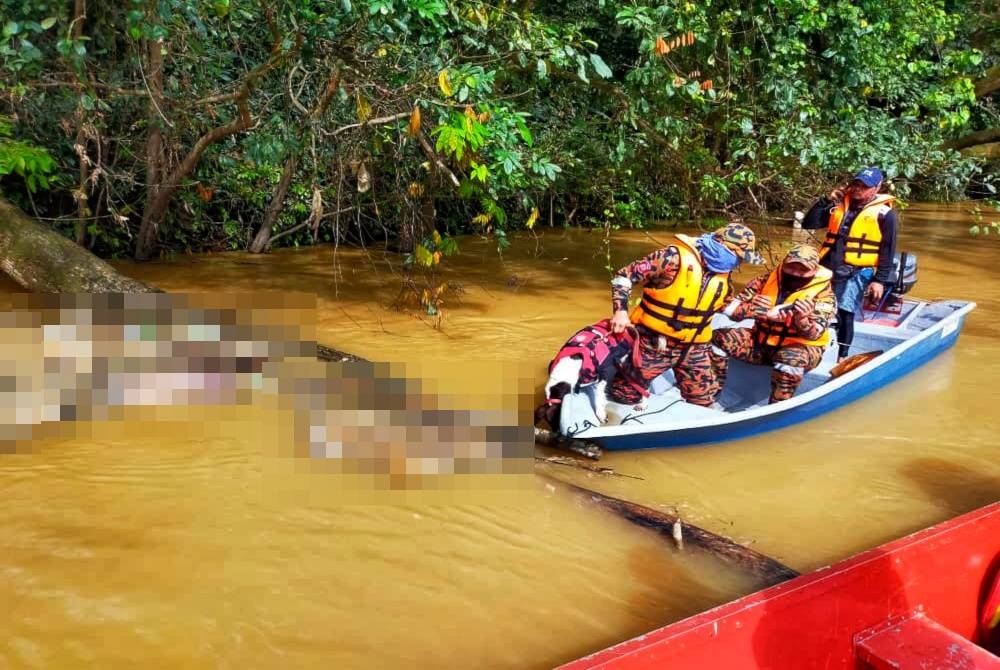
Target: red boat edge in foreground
[[915, 602]]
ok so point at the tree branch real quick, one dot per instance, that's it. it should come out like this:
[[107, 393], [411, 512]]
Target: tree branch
[[972, 139], [370, 122], [989, 82], [436, 160]]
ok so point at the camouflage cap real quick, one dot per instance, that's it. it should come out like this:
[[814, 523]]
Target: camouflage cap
[[803, 254], [740, 239]]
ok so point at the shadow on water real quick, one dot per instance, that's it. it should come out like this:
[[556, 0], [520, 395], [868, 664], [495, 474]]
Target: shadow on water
[[956, 488]]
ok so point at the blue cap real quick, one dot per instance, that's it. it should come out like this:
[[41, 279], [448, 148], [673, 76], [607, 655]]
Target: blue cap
[[870, 177]]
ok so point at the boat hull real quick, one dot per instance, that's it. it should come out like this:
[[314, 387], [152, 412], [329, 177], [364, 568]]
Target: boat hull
[[844, 616], [858, 384]]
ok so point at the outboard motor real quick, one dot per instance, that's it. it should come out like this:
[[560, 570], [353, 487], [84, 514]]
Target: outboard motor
[[904, 273], [902, 279]]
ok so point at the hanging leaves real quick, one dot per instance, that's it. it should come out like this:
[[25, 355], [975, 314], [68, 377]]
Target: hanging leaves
[[414, 122], [662, 47], [444, 83], [530, 223], [364, 179], [316, 209], [205, 193], [364, 108]]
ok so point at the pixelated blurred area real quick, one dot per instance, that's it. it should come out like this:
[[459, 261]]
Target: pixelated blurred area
[[71, 357], [369, 419], [83, 358]]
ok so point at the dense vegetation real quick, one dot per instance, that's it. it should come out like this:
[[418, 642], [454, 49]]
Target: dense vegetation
[[142, 127]]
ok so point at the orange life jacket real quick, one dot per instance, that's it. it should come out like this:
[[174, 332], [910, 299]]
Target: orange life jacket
[[683, 311], [780, 333], [861, 246]]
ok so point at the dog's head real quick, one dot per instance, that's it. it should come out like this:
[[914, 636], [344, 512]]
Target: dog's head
[[551, 409]]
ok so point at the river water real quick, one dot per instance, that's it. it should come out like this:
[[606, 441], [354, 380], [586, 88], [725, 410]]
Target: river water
[[185, 542]]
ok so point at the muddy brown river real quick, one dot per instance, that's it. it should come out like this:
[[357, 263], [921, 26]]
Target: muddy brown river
[[185, 540]]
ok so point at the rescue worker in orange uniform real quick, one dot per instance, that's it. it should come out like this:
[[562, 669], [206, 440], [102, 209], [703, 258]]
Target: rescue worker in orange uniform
[[861, 227], [685, 285], [792, 308]]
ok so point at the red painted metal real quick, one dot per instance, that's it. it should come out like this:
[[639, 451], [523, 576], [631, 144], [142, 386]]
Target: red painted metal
[[811, 622], [920, 643]]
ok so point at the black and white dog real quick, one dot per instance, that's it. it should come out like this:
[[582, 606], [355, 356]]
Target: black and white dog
[[586, 363]]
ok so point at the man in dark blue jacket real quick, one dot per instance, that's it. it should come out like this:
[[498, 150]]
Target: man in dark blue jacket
[[860, 245]]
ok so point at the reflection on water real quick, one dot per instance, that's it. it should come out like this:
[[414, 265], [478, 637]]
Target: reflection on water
[[188, 541]]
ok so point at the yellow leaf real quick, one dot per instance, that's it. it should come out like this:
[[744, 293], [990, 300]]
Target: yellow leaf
[[482, 219], [414, 122], [423, 256], [445, 83], [436, 237], [469, 113], [364, 109], [437, 257], [532, 218]]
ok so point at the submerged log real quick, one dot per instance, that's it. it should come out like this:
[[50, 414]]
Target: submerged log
[[672, 527], [582, 465], [585, 448]]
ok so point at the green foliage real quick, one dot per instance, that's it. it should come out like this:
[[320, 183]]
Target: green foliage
[[430, 250], [983, 225], [33, 164], [493, 116]]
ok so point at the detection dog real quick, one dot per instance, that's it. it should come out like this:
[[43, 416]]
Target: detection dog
[[586, 363]]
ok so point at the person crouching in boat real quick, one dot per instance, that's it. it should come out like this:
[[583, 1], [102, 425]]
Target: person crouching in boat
[[859, 247], [792, 308], [685, 284]]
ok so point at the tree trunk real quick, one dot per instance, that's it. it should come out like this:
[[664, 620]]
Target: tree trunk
[[989, 83], [263, 238], [79, 16], [41, 260], [764, 567], [154, 210], [972, 139], [989, 151], [166, 187]]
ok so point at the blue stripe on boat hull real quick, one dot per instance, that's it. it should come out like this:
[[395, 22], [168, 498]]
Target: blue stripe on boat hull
[[890, 371]]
